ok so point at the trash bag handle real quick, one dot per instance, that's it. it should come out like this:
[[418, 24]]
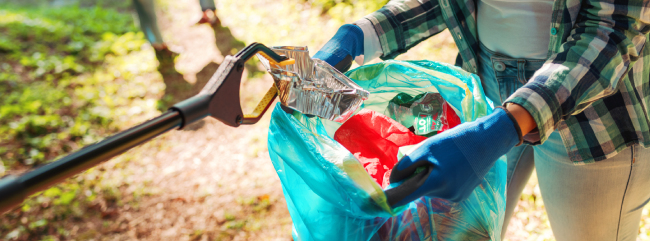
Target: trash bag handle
[[218, 99]]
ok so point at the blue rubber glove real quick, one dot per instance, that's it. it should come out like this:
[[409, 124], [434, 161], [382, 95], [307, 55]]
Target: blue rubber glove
[[456, 160], [346, 44]]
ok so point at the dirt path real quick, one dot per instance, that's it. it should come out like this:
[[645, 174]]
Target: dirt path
[[211, 183]]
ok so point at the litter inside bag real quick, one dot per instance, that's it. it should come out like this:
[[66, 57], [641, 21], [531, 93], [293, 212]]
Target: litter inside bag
[[329, 194], [374, 139], [425, 114]]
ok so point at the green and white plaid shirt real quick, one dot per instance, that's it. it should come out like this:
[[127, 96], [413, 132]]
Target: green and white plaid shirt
[[594, 87]]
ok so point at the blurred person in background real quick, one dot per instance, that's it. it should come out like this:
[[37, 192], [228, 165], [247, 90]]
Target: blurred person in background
[[148, 23], [571, 80], [177, 88]]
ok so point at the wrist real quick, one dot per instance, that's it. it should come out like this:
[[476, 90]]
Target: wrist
[[524, 119], [506, 116]]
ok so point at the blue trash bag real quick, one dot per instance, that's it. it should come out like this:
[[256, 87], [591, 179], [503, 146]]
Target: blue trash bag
[[329, 194]]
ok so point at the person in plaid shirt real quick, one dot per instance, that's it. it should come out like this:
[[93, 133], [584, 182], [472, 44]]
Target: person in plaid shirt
[[573, 78]]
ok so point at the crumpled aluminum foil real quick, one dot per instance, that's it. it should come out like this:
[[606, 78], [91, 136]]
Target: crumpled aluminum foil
[[314, 87]]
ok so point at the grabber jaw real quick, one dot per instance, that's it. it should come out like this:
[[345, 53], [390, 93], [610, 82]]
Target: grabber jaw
[[220, 96]]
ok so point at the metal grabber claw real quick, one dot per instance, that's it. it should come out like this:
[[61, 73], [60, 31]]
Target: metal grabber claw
[[220, 96], [219, 99]]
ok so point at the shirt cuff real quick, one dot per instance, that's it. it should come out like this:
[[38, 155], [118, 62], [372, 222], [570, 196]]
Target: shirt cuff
[[371, 45], [542, 105]]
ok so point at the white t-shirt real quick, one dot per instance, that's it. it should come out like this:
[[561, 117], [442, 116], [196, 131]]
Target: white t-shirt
[[517, 28]]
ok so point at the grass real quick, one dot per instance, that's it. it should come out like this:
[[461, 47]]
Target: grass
[[67, 72]]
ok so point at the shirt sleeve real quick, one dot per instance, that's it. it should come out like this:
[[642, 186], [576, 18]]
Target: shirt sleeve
[[400, 25], [607, 38]]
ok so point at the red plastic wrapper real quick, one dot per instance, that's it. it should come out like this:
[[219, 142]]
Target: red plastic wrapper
[[374, 139], [451, 119]]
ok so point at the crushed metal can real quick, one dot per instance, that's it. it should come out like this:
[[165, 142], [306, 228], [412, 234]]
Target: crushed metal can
[[424, 112]]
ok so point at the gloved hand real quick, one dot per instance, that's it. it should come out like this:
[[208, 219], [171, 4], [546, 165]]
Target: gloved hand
[[456, 160], [346, 44]]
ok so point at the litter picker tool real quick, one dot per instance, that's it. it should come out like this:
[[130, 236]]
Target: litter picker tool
[[308, 85]]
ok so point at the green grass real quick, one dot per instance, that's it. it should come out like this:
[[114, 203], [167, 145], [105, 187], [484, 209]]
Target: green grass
[[66, 73], [69, 76]]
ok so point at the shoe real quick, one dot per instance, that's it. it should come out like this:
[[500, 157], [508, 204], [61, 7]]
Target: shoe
[[210, 16], [160, 47]]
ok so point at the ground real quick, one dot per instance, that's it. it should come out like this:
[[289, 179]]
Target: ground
[[215, 182]]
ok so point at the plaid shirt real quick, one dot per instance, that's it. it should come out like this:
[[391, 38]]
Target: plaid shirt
[[594, 87]]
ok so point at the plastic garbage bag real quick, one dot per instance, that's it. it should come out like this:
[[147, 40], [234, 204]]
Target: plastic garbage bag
[[329, 194]]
